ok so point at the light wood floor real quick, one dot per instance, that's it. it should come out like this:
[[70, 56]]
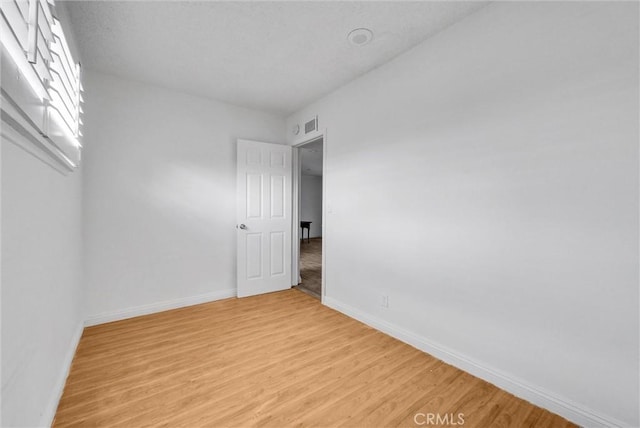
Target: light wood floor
[[259, 361], [311, 266]]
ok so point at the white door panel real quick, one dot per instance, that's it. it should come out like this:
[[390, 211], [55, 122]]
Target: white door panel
[[263, 217]]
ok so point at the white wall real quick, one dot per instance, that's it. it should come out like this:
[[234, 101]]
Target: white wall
[[498, 165], [311, 203], [159, 194], [41, 279], [41, 284]]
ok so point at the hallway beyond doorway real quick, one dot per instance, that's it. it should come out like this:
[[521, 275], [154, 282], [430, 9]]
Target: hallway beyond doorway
[[311, 267]]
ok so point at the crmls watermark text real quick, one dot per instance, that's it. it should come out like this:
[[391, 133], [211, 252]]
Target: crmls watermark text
[[439, 419]]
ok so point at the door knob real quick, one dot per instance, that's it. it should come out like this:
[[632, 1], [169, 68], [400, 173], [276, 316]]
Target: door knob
[[243, 227]]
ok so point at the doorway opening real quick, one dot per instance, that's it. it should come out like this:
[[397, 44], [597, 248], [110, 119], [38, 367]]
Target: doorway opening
[[308, 205]]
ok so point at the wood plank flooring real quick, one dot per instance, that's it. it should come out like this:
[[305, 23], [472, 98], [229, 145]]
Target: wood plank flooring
[[275, 360]]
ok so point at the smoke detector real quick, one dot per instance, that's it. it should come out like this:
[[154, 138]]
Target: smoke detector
[[360, 36]]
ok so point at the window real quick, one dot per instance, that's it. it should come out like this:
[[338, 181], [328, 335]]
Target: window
[[41, 86]]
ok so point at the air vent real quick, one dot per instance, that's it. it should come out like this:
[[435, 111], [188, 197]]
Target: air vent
[[311, 126]]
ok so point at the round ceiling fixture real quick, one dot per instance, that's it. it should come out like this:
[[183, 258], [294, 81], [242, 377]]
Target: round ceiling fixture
[[360, 36]]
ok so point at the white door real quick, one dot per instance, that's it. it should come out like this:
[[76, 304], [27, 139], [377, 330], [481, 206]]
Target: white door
[[263, 217]]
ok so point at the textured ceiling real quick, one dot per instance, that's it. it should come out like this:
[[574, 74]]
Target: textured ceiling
[[273, 56]]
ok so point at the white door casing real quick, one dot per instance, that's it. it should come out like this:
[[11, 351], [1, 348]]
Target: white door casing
[[263, 214]]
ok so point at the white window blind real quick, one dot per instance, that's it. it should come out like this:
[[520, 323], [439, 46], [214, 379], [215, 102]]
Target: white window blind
[[41, 84]]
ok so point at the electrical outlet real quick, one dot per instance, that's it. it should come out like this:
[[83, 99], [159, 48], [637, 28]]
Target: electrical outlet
[[384, 301]]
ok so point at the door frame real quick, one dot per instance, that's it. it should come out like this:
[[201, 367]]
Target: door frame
[[295, 206]]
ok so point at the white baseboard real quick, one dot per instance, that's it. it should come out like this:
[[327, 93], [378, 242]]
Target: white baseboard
[[50, 411], [566, 408], [159, 307]]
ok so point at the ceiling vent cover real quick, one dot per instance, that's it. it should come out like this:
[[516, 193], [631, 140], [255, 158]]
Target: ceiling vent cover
[[311, 126]]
